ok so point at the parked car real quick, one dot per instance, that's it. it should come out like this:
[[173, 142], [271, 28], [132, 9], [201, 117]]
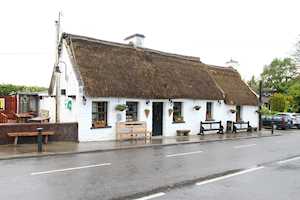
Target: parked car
[[281, 121], [296, 120]]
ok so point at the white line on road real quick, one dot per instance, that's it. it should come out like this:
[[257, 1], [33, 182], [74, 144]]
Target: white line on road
[[229, 175], [244, 146], [152, 196], [69, 169], [288, 160], [183, 154]]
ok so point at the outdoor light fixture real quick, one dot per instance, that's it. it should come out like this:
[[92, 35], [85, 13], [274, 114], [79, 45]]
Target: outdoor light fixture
[[219, 102], [170, 101], [84, 100], [147, 102]]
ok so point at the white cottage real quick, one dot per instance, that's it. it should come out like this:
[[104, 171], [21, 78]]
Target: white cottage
[[167, 91]]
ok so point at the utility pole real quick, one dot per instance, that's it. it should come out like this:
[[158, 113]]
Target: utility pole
[[260, 104], [57, 71]]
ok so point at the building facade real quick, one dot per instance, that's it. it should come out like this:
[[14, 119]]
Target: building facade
[[103, 83]]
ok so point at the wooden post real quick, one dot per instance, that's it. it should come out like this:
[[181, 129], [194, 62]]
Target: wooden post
[[260, 103]]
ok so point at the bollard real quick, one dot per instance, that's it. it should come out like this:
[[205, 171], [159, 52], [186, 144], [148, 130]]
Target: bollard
[[40, 139], [272, 128]]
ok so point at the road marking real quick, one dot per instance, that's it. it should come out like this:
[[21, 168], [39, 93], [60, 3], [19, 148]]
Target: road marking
[[229, 175], [244, 146], [69, 169], [152, 196], [183, 154], [288, 160]]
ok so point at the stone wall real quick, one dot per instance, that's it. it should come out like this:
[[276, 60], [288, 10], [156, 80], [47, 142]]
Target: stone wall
[[63, 132]]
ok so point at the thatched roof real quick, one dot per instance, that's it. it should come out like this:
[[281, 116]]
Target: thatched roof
[[237, 92], [109, 69]]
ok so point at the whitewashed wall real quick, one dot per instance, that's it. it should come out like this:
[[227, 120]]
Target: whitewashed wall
[[192, 117]]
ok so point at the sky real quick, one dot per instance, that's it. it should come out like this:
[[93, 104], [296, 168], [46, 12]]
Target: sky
[[250, 32]]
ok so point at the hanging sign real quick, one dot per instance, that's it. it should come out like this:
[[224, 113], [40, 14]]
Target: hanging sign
[[2, 104]]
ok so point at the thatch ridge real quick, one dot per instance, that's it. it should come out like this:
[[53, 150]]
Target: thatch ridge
[[237, 92]]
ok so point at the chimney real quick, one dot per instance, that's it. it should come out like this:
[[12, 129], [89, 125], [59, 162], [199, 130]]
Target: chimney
[[137, 40]]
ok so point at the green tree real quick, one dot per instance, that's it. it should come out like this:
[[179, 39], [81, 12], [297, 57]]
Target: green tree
[[7, 89], [294, 91], [279, 74], [279, 102]]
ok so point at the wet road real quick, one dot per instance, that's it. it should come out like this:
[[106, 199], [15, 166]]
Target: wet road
[[142, 172], [276, 182]]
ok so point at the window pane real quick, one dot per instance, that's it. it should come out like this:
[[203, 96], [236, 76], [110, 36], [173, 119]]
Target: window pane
[[209, 111], [99, 114], [177, 114], [131, 112]]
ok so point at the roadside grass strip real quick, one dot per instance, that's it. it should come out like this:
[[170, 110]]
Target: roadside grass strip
[[244, 146], [229, 176], [152, 196], [69, 169], [183, 154], [288, 160]]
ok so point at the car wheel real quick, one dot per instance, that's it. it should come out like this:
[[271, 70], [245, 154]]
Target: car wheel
[[298, 126]]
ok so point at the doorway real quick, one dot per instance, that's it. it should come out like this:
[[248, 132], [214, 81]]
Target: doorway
[[157, 118]]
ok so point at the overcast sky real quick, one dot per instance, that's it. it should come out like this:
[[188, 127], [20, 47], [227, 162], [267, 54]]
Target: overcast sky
[[251, 32]]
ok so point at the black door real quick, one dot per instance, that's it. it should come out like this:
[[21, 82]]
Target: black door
[[157, 118]]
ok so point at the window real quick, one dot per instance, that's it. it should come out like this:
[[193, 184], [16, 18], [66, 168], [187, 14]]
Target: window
[[238, 114], [132, 111], [209, 111], [2, 104], [99, 114], [177, 112]]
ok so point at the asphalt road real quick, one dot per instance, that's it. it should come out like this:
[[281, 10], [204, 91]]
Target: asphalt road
[[138, 173]]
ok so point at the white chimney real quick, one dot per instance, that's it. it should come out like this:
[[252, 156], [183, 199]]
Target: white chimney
[[137, 40]]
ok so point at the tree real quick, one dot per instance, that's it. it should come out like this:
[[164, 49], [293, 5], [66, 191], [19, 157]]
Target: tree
[[281, 103], [294, 91], [253, 84], [279, 74], [296, 54], [7, 89]]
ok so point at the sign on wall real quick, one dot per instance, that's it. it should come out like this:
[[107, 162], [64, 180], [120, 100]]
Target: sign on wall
[[68, 104], [2, 104]]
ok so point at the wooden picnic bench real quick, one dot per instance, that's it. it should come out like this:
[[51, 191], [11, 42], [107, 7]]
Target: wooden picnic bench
[[241, 126], [211, 126], [16, 135], [132, 130]]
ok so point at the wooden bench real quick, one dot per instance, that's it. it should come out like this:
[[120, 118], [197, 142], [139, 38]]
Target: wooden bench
[[183, 132], [29, 134], [241, 126], [211, 126], [132, 130]]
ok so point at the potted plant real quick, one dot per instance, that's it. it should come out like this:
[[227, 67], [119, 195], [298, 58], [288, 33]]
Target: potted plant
[[121, 107], [232, 111], [170, 111], [147, 111], [178, 119], [197, 107], [99, 124]]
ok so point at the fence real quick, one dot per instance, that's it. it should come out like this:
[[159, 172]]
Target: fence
[[63, 132]]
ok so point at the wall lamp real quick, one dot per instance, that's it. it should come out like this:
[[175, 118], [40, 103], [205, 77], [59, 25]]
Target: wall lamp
[[84, 100]]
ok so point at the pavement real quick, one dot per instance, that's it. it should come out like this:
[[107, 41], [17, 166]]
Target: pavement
[[254, 168], [61, 148]]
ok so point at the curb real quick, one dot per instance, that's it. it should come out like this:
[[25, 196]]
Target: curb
[[128, 148]]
